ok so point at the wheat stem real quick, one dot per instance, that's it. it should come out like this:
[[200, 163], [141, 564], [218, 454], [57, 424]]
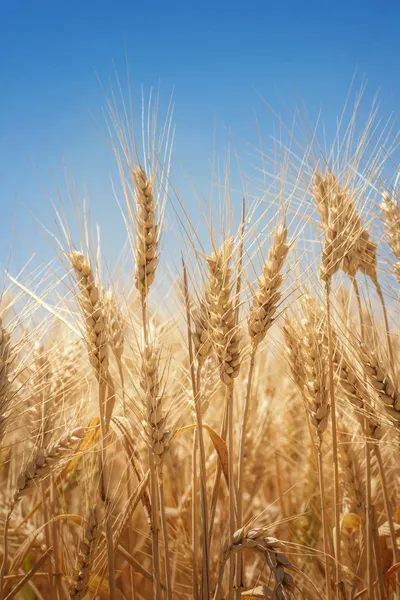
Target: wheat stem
[[195, 535], [164, 533], [325, 531], [195, 381], [334, 441], [240, 574]]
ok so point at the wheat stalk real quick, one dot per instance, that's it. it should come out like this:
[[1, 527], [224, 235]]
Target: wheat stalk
[[5, 377]]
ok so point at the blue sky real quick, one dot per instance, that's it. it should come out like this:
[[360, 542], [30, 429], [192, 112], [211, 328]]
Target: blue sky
[[219, 57]]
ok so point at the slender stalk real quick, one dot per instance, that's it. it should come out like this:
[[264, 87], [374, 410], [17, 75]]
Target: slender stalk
[[334, 444], [203, 493], [128, 480], [196, 380], [103, 493], [279, 486], [55, 533], [232, 519], [47, 534], [164, 533], [195, 535], [378, 558], [386, 320], [324, 525], [154, 529], [153, 483], [359, 306], [239, 561], [5, 552], [218, 474], [368, 520], [388, 511], [243, 437], [240, 261]]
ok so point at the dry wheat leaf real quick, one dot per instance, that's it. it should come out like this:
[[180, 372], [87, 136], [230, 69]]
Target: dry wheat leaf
[[219, 445]]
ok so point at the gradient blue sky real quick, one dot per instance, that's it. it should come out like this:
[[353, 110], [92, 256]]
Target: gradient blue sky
[[219, 56]]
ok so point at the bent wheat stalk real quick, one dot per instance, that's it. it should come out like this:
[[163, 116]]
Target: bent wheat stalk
[[257, 540]]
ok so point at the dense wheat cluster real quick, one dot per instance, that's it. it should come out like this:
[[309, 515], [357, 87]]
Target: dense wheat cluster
[[230, 430]]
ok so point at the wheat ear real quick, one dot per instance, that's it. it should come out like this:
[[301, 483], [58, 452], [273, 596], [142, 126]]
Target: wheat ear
[[391, 213], [351, 471], [382, 383], [146, 230], [84, 562], [44, 461], [257, 540], [224, 333], [89, 299]]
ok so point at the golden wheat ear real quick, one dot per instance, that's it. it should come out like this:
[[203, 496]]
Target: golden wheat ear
[[44, 461], [85, 558], [147, 230], [391, 214], [224, 333], [256, 539], [266, 299], [93, 312]]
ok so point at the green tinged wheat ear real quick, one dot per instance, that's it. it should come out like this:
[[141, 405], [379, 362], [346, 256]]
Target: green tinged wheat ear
[[266, 299], [391, 213], [84, 562], [146, 230]]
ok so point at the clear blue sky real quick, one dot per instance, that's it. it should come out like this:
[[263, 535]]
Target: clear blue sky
[[217, 55]]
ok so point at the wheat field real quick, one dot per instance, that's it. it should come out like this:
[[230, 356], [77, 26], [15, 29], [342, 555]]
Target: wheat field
[[222, 425]]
